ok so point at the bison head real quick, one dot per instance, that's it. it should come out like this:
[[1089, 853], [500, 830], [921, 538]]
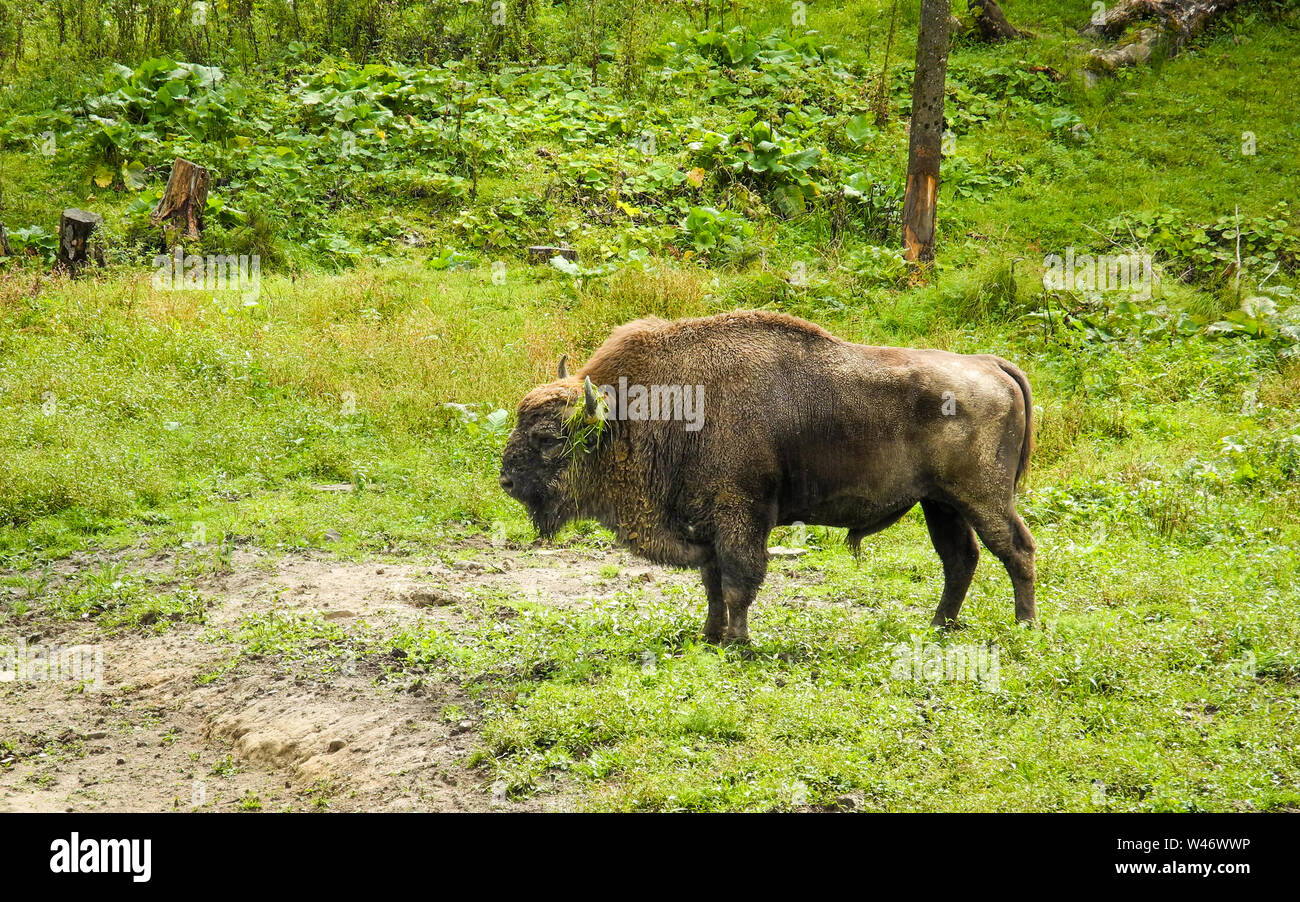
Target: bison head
[[537, 466]]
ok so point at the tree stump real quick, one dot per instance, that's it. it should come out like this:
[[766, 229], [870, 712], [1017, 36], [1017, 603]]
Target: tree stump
[[991, 23], [542, 253], [180, 209], [76, 231]]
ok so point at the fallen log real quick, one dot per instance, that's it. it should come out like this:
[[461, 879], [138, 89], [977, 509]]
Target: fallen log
[[180, 209], [1176, 22], [77, 246]]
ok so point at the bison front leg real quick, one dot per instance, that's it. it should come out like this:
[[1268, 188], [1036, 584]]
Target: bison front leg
[[741, 550], [716, 625], [738, 599]]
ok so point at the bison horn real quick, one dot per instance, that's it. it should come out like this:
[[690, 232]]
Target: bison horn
[[590, 393], [563, 371]]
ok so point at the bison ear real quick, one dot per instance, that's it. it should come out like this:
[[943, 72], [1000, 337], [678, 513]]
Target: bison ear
[[589, 393], [563, 369]]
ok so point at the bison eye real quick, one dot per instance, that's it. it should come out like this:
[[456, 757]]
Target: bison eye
[[548, 441]]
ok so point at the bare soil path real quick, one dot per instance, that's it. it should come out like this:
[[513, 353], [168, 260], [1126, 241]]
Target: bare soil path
[[170, 729]]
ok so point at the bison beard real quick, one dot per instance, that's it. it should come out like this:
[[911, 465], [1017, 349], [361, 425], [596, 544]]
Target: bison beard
[[548, 518], [801, 427]]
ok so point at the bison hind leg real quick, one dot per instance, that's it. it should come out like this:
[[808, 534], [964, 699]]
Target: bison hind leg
[[1006, 535], [954, 541]]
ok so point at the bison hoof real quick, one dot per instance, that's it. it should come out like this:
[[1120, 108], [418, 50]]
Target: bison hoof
[[712, 638], [732, 641], [948, 626]]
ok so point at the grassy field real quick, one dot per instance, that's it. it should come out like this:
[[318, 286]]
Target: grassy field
[[321, 419]]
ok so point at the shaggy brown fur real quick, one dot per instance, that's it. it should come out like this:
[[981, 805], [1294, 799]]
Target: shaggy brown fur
[[798, 426]]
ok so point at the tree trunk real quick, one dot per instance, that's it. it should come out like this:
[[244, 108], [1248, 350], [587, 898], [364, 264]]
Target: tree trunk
[[1179, 22], [4, 241], [180, 209], [76, 247], [926, 132], [990, 23]]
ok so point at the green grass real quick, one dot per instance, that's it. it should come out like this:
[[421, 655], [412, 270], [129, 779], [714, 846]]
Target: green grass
[[306, 643], [1164, 673], [110, 595], [1162, 494]]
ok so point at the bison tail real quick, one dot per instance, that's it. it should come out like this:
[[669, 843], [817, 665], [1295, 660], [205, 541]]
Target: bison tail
[[1027, 445]]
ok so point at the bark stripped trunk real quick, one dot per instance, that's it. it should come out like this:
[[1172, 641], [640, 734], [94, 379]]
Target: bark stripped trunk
[[990, 23], [77, 246], [181, 207], [1176, 23], [926, 132]]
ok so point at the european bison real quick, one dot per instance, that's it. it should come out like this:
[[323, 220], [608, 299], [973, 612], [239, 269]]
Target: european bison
[[692, 439]]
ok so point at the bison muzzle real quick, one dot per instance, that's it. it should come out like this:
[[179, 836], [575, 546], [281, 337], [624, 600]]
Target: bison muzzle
[[693, 439]]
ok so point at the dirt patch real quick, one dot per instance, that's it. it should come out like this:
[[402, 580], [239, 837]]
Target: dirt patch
[[163, 733]]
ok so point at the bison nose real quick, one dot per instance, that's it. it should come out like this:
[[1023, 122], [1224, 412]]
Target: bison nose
[[506, 482]]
